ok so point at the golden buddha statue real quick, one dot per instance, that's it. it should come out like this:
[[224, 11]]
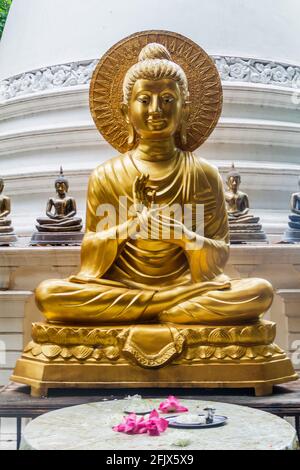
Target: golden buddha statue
[[7, 235], [243, 226], [61, 226], [161, 302]]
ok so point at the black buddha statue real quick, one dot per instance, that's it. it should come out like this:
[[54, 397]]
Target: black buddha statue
[[60, 226], [7, 235], [292, 235], [243, 227]]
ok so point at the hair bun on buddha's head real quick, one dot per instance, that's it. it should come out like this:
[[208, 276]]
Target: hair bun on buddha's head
[[153, 51], [154, 63]]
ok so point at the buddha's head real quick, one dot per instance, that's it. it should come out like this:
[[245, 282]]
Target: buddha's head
[[1, 185], [61, 184], [155, 97], [233, 179]]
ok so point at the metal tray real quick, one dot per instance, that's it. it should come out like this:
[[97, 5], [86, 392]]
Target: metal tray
[[218, 421]]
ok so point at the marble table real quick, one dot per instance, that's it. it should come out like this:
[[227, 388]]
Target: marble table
[[89, 426]]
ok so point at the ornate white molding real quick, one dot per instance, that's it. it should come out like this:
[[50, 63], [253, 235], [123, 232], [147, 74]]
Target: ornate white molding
[[258, 71], [53, 77], [232, 69]]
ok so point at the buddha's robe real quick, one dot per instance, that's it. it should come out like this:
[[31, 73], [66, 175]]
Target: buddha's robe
[[134, 281]]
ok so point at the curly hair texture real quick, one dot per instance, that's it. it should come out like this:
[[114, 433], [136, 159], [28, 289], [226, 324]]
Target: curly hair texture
[[154, 63]]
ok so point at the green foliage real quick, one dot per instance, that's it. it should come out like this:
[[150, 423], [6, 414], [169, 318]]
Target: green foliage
[[4, 8]]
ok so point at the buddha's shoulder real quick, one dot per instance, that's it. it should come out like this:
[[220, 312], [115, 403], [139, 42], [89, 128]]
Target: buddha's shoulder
[[106, 168], [211, 171]]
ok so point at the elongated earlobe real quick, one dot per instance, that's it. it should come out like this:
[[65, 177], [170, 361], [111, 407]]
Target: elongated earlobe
[[183, 137], [131, 135], [183, 127]]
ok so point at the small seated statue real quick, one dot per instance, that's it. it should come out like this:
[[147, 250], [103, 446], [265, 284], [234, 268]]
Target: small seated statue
[[243, 227], [61, 226], [292, 235], [150, 304], [7, 234]]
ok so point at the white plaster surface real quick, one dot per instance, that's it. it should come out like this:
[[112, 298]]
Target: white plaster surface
[[59, 31]]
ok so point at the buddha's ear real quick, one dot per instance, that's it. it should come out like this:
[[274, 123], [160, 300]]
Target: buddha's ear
[[186, 109], [125, 112]]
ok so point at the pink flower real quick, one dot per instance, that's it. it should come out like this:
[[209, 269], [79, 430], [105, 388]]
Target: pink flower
[[171, 404], [154, 425]]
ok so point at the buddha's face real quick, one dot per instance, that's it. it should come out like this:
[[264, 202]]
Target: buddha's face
[[61, 188], [155, 109], [233, 183]]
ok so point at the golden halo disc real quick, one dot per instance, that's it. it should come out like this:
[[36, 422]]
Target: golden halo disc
[[203, 77]]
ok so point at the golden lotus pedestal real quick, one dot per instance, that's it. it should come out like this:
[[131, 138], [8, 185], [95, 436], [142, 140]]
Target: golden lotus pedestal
[[153, 355]]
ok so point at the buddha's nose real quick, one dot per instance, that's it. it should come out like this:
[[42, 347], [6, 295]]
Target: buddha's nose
[[154, 109]]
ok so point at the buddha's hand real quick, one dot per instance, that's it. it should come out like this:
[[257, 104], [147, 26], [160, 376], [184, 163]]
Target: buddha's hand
[[143, 194], [143, 199], [174, 231]]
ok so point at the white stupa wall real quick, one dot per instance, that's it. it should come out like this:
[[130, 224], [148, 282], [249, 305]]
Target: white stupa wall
[[47, 32], [46, 60]]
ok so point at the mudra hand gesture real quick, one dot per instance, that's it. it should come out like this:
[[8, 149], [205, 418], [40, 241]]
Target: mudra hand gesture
[[151, 216]]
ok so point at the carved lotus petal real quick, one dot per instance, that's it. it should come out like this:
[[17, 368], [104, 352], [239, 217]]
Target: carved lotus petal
[[192, 336], [40, 333], [247, 334], [51, 350], [204, 352], [204, 334], [265, 351], [112, 352], [29, 346], [235, 352], [251, 354], [220, 353], [65, 353], [98, 336], [97, 354], [36, 350], [220, 335], [81, 352], [95, 336], [64, 335]]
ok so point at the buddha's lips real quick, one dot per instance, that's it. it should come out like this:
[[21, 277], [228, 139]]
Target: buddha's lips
[[156, 122]]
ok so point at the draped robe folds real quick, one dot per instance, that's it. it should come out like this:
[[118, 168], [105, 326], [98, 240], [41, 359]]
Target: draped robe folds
[[121, 277]]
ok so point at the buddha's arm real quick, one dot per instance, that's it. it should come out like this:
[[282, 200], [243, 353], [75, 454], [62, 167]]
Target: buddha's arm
[[99, 249], [5, 208], [72, 209], [50, 204], [208, 254], [294, 200], [243, 204]]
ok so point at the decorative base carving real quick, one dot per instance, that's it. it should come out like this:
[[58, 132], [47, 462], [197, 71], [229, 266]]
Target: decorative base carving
[[183, 356], [56, 238]]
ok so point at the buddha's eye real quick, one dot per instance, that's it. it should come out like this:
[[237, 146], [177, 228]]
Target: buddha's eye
[[143, 99], [167, 99]]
